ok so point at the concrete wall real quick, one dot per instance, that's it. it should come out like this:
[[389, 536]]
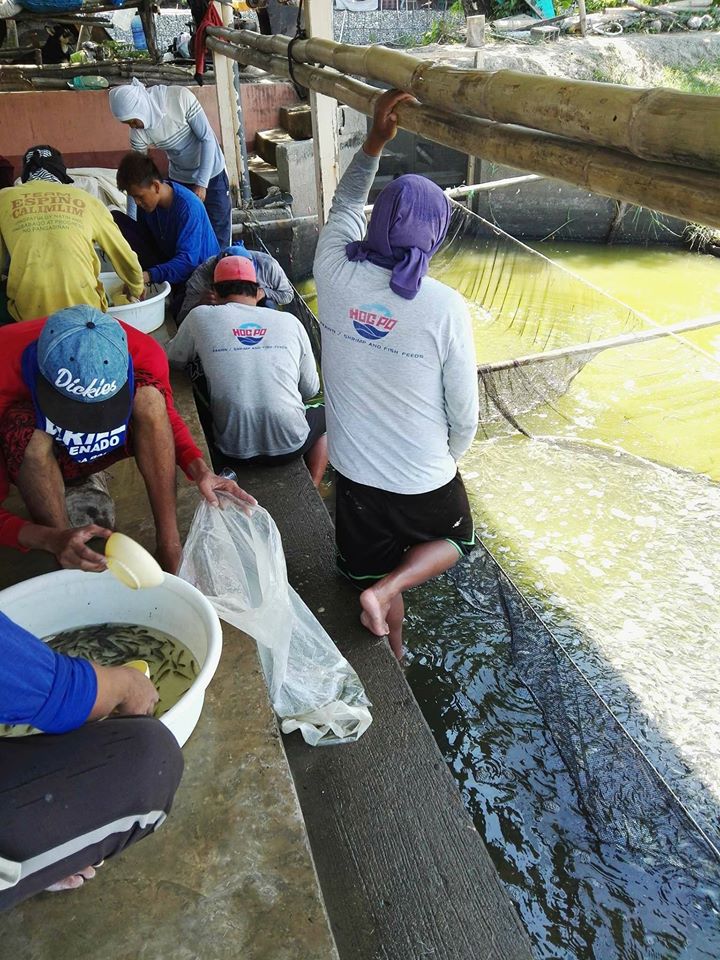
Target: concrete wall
[[80, 125], [551, 209], [296, 161], [401, 27], [76, 122]]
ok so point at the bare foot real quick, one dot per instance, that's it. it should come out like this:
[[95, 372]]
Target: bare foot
[[74, 881], [374, 613]]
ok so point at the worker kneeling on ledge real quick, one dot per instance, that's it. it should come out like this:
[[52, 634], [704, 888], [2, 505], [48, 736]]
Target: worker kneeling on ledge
[[78, 392], [69, 801], [400, 382], [259, 373]]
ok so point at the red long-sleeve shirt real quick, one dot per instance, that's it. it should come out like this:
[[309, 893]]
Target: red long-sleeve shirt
[[147, 355]]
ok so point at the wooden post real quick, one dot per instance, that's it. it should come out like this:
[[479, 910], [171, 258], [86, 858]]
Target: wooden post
[[319, 23], [583, 17], [471, 173], [476, 31], [84, 34], [12, 34], [149, 29], [228, 106]]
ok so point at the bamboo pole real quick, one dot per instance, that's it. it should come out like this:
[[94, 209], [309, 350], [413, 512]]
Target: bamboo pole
[[657, 124], [596, 346], [676, 191]]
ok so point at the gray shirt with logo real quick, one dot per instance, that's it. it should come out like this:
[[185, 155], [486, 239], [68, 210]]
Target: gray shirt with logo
[[401, 394], [259, 368]]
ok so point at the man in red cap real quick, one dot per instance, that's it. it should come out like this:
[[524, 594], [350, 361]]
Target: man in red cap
[[78, 392], [260, 374]]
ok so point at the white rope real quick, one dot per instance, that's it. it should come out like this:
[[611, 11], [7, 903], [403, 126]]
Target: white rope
[[588, 283]]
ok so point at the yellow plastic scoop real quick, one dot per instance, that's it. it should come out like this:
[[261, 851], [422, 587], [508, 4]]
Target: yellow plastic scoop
[[141, 665], [131, 563]]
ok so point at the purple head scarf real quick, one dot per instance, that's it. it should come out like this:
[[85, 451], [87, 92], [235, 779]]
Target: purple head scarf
[[408, 223]]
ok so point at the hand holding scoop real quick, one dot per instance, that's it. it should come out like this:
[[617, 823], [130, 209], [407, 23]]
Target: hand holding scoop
[[131, 563]]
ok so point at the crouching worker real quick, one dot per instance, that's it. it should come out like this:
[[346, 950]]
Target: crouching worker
[[78, 392], [70, 801], [48, 229], [274, 288], [172, 234], [259, 370]]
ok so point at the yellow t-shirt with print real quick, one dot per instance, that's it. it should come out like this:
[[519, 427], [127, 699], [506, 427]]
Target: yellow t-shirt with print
[[49, 231]]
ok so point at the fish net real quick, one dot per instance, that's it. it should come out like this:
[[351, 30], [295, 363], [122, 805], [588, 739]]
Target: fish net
[[594, 484]]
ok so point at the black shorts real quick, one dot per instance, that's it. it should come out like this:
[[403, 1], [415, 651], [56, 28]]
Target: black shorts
[[72, 799], [374, 528], [315, 416]]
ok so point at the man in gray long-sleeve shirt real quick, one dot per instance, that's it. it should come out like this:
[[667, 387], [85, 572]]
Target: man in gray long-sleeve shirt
[[274, 286], [260, 370], [400, 384]]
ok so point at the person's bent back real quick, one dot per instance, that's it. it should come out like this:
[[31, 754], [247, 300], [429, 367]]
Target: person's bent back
[[48, 229], [259, 368], [172, 234]]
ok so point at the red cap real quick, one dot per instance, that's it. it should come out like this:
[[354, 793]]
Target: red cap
[[235, 268]]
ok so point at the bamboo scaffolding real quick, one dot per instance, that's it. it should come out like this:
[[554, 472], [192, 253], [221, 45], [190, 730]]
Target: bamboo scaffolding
[[657, 124], [677, 191]]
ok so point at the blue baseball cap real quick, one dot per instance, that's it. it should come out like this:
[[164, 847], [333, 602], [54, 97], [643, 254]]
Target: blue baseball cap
[[83, 378], [236, 250]]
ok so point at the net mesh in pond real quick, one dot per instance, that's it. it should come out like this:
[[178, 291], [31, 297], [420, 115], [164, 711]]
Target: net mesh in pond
[[594, 483]]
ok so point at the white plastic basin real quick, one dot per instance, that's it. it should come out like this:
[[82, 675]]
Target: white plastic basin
[[148, 314], [72, 598]]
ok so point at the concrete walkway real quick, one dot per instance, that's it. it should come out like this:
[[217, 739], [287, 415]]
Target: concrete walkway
[[230, 874]]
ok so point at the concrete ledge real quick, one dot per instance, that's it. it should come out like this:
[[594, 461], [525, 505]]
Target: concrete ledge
[[403, 871]]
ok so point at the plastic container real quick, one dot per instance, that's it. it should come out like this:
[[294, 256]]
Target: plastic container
[[88, 83], [131, 563], [138, 33], [72, 598], [148, 314]]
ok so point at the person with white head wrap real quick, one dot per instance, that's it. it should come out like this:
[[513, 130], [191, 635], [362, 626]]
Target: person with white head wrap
[[171, 119], [133, 101]]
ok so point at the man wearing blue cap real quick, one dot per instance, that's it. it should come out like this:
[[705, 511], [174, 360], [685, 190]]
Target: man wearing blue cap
[[78, 392], [274, 288]]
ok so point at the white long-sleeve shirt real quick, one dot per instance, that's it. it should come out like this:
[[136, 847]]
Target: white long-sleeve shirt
[[187, 138], [401, 394]]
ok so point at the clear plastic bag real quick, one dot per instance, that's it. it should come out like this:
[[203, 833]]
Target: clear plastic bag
[[234, 556]]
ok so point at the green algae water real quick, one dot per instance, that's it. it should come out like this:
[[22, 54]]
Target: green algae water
[[606, 517], [595, 487], [172, 666]]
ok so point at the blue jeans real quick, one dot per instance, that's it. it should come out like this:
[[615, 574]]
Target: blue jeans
[[219, 207]]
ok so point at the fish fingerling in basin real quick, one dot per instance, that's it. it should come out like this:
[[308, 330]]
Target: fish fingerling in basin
[[113, 644]]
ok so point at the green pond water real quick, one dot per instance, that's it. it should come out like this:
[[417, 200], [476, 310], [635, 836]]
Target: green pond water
[[606, 516]]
